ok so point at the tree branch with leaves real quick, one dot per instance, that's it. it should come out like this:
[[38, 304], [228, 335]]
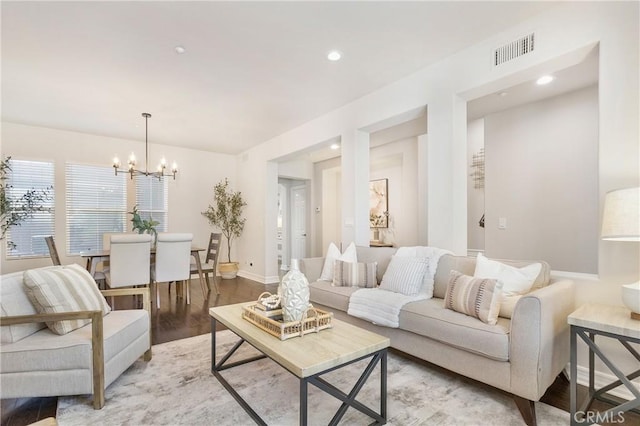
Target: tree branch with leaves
[[226, 212], [15, 210]]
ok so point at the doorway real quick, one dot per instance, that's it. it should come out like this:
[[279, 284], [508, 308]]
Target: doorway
[[293, 221]]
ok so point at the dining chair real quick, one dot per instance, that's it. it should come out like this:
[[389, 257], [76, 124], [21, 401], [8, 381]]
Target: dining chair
[[173, 254], [129, 261], [53, 251], [213, 250]]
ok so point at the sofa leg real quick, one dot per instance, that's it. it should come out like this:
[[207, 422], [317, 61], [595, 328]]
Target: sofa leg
[[527, 409], [147, 355]]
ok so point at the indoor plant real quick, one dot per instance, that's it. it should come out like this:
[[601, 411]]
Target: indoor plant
[[226, 214], [143, 226], [15, 210]]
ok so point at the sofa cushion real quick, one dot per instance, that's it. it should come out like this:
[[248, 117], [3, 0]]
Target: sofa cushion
[[351, 274], [47, 351], [476, 297], [429, 318], [467, 266], [14, 302], [405, 275], [323, 293], [515, 281], [380, 255], [349, 255], [64, 289]]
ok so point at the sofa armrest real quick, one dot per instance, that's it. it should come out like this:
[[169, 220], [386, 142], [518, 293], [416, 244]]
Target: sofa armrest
[[311, 267], [539, 347], [97, 342], [144, 291]]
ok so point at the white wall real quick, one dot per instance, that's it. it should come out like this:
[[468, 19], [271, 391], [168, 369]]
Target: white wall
[[189, 194], [398, 162], [564, 35], [542, 177]]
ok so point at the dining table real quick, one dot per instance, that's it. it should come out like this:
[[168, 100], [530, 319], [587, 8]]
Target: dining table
[[94, 257]]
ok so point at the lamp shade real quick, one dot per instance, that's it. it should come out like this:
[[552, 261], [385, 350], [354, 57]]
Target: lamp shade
[[621, 218]]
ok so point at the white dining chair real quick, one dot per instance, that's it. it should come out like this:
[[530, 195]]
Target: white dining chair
[[129, 260], [172, 263]]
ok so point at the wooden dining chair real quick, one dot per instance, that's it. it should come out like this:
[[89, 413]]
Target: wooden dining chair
[[211, 262], [53, 251], [129, 261], [173, 254]]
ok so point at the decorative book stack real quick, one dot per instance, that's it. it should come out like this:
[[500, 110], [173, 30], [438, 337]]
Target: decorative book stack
[[269, 307]]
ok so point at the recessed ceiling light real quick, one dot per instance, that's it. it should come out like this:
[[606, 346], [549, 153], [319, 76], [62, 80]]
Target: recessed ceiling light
[[180, 50], [334, 55], [334, 146], [545, 79], [502, 94]]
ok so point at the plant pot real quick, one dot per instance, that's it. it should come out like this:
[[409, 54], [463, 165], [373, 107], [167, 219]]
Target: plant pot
[[228, 270]]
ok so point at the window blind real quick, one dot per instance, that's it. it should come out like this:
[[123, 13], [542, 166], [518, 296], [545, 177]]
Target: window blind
[[96, 203], [152, 198], [29, 235]]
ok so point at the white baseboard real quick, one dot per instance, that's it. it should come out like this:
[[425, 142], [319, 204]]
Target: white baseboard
[[259, 278], [603, 379]]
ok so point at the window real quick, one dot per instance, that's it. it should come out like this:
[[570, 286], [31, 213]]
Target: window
[[152, 198], [29, 235], [96, 203]]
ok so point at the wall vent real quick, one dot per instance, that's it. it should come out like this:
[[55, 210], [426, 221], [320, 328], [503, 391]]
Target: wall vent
[[514, 49]]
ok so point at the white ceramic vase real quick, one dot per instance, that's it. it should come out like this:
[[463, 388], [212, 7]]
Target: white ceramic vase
[[294, 291]]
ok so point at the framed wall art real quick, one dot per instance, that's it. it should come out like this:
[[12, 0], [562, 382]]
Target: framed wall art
[[379, 203]]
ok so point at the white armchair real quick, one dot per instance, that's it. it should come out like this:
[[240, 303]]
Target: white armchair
[[36, 362]]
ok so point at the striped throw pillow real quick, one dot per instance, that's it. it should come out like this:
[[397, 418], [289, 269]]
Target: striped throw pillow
[[476, 297], [405, 275], [64, 289], [350, 274]]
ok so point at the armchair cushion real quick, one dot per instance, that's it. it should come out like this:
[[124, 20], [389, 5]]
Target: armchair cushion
[[64, 289], [14, 302]]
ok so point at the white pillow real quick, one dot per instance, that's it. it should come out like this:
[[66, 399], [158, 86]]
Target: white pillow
[[404, 275], [515, 281], [332, 255]]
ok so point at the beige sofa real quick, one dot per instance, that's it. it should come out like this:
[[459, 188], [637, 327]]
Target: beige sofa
[[35, 362], [522, 355]]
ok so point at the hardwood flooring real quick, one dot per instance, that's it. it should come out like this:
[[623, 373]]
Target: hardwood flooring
[[177, 320]]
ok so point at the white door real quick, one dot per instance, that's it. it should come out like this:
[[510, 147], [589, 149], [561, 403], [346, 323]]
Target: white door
[[298, 222]]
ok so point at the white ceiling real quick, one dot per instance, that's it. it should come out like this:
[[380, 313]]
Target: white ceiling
[[252, 70]]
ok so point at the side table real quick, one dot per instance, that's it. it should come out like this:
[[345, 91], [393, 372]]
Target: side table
[[613, 322]]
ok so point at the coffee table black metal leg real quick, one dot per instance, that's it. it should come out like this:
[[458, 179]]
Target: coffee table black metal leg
[[303, 402], [383, 385]]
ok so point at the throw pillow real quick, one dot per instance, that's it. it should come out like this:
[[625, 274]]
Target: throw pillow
[[405, 275], [476, 297], [64, 289], [515, 281], [349, 255], [350, 274]]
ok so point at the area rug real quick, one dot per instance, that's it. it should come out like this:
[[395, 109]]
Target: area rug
[[176, 387]]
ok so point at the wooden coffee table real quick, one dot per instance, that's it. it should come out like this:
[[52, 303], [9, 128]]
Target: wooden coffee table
[[308, 358]]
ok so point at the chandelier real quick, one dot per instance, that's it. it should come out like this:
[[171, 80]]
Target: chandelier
[[162, 167]]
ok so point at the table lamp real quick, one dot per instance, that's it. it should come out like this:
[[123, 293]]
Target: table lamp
[[621, 222]]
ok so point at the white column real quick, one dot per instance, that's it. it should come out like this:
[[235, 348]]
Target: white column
[[355, 188]]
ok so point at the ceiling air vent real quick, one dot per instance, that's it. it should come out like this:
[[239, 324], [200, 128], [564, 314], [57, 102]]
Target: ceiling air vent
[[514, 49]]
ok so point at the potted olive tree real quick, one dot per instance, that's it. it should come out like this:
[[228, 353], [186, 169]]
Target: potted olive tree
[[226, 214]]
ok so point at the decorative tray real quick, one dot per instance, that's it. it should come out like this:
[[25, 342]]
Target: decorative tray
[[313, 321]]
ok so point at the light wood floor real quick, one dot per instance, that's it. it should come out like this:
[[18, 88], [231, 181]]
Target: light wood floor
[[176, 320]]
